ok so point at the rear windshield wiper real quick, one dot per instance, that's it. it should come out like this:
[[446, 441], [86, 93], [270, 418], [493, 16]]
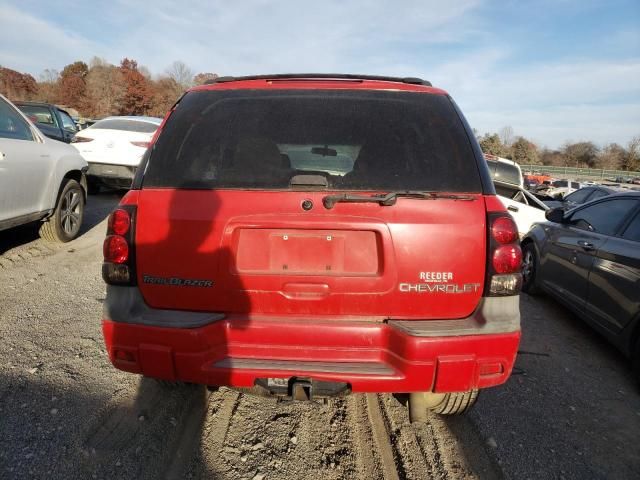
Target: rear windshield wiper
[[390, 198]]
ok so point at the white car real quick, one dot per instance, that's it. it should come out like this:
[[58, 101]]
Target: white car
[[113, 147], [524, 207], [40, 179]]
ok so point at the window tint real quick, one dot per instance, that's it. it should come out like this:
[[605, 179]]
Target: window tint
[[579, 196], [67, 122], [632, 232], [503, 172], [12, 125], [603, 217], [139, 126], [575, 185], [599, 194], [40, 115], [356, 140]]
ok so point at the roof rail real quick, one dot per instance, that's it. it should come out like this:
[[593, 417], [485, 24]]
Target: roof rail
[[312, 76]]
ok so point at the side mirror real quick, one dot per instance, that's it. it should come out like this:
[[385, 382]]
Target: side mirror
[[555, 215]]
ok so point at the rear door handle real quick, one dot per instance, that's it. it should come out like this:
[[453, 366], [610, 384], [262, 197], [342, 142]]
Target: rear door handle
[[586, 245], [2, 155], [513, 208]]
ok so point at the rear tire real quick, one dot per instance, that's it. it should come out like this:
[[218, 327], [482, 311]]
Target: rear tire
[[65, 223], [455, 403], [529, 269]]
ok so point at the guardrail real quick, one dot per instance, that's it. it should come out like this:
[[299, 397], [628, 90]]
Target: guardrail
[[575, 173]]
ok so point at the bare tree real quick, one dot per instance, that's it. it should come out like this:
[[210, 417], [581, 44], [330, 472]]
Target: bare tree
[[506, 135], [181, 74]]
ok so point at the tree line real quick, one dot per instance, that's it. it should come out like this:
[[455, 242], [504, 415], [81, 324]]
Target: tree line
[[100, 89], [579, 154]]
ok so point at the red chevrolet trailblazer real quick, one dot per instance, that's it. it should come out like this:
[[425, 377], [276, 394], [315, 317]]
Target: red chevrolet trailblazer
[[308, 236]]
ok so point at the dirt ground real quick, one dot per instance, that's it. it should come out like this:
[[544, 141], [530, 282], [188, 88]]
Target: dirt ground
[[571, 409]]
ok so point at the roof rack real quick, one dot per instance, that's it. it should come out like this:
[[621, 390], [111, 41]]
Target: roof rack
[[311, 76]]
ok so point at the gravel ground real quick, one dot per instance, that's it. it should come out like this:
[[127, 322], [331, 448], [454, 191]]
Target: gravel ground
[[570, 410]]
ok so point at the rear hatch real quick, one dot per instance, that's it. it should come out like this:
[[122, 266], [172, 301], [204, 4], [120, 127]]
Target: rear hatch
[[271, 203]]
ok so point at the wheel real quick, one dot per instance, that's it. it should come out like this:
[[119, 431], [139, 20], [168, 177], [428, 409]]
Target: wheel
[[455, 403], [529, 269], [64, 225]]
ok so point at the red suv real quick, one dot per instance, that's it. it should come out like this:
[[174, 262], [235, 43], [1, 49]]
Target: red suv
[[314, 235]]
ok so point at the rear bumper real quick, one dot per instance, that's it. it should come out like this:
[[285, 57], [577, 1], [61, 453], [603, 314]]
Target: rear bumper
[[117, 175], [397, 356]]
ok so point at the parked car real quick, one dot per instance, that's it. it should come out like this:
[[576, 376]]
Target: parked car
[[53, 121], [556, 189], [504, 170], [40, 179], [509, 183], [228, 265], [113, 147], [581, 196], [589, 260], [523, 206]]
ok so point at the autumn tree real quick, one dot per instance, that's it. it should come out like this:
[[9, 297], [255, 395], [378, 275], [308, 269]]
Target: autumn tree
[[581, 154], [524, 152], [631, 159], [491, 143], [16, 85], [201, 78], [165, 93], [552, 157], [611, 157], [72, 86], [138, 94], [105, 90]]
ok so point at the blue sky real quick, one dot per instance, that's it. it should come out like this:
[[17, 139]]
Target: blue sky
[[555, 71]]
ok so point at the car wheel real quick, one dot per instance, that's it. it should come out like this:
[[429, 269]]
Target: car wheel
[[529, 269], [64, 225], [455, 403]]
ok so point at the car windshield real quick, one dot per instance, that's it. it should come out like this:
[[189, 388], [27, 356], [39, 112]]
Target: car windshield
[[355, 140]]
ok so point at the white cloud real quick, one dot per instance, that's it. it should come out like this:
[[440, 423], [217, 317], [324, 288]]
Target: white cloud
[[450, 43], [31, 44]]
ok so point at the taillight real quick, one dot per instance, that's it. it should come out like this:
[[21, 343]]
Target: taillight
[[115, 249], [118, 249], [504, 256], [507, 259], [77, 139], [141, 144], [119, 221]]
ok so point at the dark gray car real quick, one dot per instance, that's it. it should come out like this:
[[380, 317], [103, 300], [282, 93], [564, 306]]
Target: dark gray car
[[579, 197], [589, 259]]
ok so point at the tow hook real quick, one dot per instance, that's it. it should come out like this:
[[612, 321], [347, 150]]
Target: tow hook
[[301, 390]]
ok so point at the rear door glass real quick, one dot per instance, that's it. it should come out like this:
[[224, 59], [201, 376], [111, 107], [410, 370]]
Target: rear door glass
[[356, 140], [603, 217]]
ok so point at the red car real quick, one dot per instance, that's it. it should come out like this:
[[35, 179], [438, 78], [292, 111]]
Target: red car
[[308, 236]]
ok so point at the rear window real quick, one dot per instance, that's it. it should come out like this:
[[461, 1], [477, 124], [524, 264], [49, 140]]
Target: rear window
[[126, 125], [40, 114], [355, 140], [503, 172]]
